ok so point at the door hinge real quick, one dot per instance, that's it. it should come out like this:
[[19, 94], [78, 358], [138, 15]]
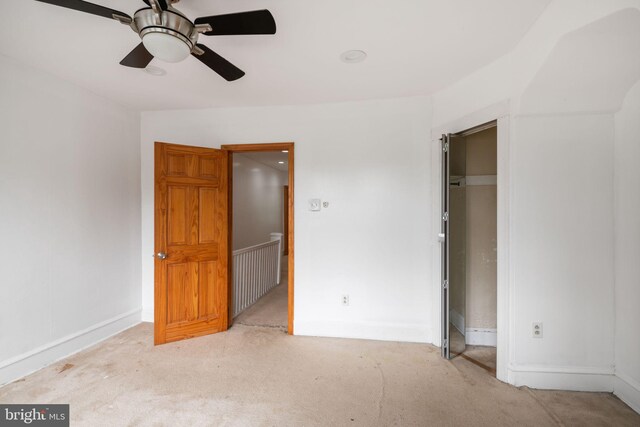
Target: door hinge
[[445, 343], [445, 147], [445, 284], [445, 216]]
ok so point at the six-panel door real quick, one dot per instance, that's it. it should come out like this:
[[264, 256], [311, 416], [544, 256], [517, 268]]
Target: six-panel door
[[191, 238]]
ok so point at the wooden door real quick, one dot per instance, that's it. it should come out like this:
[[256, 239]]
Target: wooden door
[[191, 242], [285, 209]]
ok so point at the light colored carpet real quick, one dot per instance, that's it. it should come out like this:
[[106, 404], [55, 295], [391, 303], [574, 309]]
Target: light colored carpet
[[270, 310], [253, 376], [482, 356]]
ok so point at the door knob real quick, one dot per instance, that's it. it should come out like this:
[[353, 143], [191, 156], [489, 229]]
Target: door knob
[[161, 255]]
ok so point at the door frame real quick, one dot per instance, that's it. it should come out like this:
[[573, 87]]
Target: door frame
[[269, 146], [505, 338]]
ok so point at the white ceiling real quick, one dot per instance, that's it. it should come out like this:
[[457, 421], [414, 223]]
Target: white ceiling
[[269, 158], [414, 47]]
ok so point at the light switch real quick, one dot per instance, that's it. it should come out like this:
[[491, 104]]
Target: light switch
[[315, 204]]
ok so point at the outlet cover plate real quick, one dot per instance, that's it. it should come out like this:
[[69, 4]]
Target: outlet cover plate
[[536, 329]]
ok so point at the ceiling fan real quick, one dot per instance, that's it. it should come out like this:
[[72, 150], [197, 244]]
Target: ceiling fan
[[167, 34]]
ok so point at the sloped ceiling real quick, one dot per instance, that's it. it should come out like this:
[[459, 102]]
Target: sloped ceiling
[[414, 47], [590, 69]]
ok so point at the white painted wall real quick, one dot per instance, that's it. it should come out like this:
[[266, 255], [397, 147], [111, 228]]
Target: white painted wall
[[562, 241], [560, 179], [69, 219], [371, 162], [257, 201], [627, 247]]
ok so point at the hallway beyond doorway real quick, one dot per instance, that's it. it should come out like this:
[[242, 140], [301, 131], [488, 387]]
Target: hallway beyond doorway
[[270, 310]]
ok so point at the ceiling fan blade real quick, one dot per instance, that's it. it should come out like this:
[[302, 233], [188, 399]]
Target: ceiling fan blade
[[85, 6], [218, 64], [137, 58], [163, 4], [253, 22]]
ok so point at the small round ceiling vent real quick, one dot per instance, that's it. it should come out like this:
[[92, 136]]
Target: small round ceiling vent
[[353, 56]]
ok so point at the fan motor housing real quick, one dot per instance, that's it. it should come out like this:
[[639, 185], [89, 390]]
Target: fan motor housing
[[170, 21]]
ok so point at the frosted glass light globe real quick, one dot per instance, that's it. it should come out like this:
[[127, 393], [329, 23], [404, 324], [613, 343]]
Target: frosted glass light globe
[[166, 47]]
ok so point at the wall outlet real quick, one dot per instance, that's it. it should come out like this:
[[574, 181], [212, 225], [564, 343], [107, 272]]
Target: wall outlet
[[314, 205], [345, 300], [536, 329]]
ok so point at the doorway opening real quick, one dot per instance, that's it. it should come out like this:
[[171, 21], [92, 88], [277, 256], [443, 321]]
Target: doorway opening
[[470, 252], [261, 235]]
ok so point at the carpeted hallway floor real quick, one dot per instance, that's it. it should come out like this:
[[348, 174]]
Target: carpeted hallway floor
[[257, 376], [270, 310]]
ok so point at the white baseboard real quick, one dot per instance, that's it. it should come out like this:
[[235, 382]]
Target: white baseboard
[[364, 330], [457, 320], [481, 336], [628, 390], [147, 315], [31, 361], [562, 377]]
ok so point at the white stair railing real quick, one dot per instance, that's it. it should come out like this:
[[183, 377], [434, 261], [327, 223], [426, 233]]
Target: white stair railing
[[256, 270]]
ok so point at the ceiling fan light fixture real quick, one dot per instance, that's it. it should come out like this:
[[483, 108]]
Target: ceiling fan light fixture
[[169, 35], [166, 47]]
